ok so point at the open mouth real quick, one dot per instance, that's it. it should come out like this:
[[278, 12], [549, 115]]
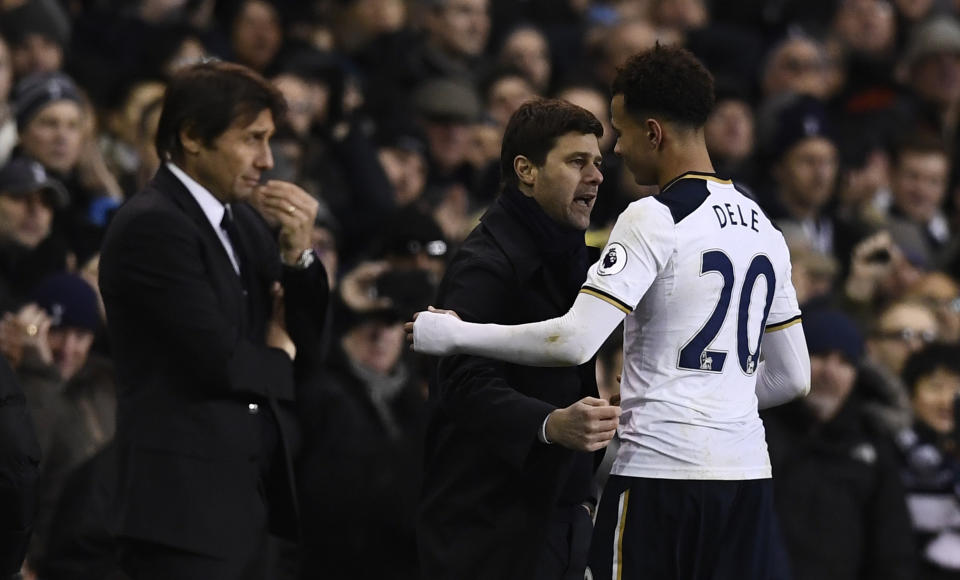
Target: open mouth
[[585, 200]]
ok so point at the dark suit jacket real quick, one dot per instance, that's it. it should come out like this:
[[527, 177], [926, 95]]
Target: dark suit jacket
[[490, 487], [195, 377]]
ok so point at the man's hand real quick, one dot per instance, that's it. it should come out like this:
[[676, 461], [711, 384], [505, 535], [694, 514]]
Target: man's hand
[[587, 425], [871, 261], [277, 336], [432, 331], [358, 288], [26, 334], [294, 210]]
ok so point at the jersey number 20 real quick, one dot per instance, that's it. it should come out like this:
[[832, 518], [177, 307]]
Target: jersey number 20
[[695, 355]]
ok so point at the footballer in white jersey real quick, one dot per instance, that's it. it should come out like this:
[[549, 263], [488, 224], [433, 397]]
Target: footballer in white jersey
[[702, 274]]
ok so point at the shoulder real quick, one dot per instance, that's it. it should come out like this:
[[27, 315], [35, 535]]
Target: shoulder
[[146, 208], [684, 197], [646, 221], [647, 211], [479, 257]]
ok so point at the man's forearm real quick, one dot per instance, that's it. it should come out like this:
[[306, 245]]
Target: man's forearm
[[784, 373], [565, 341]]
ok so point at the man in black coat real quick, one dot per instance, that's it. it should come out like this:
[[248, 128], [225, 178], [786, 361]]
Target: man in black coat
[[508, 450], [207, 342], [19, 468], [838, 497]]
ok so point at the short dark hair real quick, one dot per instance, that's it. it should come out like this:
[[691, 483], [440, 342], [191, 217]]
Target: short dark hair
[[667, 81], [919, 142], [534, 128], [208, 98], [929, 359]]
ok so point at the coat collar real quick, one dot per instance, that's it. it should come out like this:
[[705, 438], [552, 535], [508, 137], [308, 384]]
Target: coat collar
[[513, 238], [521, 249], [168, 185]]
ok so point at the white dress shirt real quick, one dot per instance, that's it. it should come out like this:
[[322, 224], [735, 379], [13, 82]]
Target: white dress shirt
[[212, 207]]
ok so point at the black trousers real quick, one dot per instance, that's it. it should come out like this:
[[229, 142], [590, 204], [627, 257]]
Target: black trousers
[[687, 530]]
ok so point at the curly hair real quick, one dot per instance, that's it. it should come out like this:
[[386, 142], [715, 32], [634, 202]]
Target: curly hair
[[667, 81]]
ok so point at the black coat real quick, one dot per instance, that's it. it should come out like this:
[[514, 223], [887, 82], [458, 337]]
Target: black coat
[[19, 468], [197, 383], [838, 496], [359, 478], [490, 487]]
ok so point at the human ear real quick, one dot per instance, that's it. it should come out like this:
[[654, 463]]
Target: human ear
[[525, 169], [190, 144], [654, 133]]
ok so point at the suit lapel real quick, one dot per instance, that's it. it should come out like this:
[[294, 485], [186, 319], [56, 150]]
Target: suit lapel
[[221, 267]]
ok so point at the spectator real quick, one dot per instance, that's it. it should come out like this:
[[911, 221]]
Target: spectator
[[899, 330], [798, 63], [503, 92], [80, 416], [57, 130], [613, 45], [457, 33], [256, 34], [804, 164], [921, 172], [371, 413], [866, 28], [402, 150], [838, 494], [18, 474], [527, 49], [730, 135], [932, 70], [28, 248], [119, 142], [39, 32], [931, 471]]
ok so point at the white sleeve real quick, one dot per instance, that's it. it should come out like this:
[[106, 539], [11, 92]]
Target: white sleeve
[[565, 341], [784, 373]]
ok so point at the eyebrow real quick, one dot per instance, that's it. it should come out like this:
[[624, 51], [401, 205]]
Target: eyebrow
[[587, 154]]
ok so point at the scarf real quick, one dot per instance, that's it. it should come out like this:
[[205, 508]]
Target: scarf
[[563, 249]]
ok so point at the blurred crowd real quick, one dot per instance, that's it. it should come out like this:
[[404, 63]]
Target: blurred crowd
[[840, 117]]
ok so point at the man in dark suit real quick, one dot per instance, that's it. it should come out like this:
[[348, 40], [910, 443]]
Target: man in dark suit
[[508, 454], [198, 295]]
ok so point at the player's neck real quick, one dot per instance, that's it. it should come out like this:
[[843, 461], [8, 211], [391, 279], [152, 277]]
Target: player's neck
[[684, 160]]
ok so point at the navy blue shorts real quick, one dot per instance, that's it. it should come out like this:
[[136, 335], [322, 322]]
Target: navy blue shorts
[[687, 530]]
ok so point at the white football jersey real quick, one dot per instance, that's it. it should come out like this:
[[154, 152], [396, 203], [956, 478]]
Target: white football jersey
[[702, 273]]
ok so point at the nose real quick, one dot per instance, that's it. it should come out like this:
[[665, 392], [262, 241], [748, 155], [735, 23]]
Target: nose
[[616, 148], [264, 160], [594, 175]]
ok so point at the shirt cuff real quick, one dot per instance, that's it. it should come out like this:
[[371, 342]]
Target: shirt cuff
[[542, 434]]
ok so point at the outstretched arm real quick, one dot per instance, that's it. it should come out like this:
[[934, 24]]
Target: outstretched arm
[[784, 373], [569, 340]]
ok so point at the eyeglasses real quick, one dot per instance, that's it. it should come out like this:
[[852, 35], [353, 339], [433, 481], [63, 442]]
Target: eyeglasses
[[908, 335]]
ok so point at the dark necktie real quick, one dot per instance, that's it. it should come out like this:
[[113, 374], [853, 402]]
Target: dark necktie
[[230, 227]]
